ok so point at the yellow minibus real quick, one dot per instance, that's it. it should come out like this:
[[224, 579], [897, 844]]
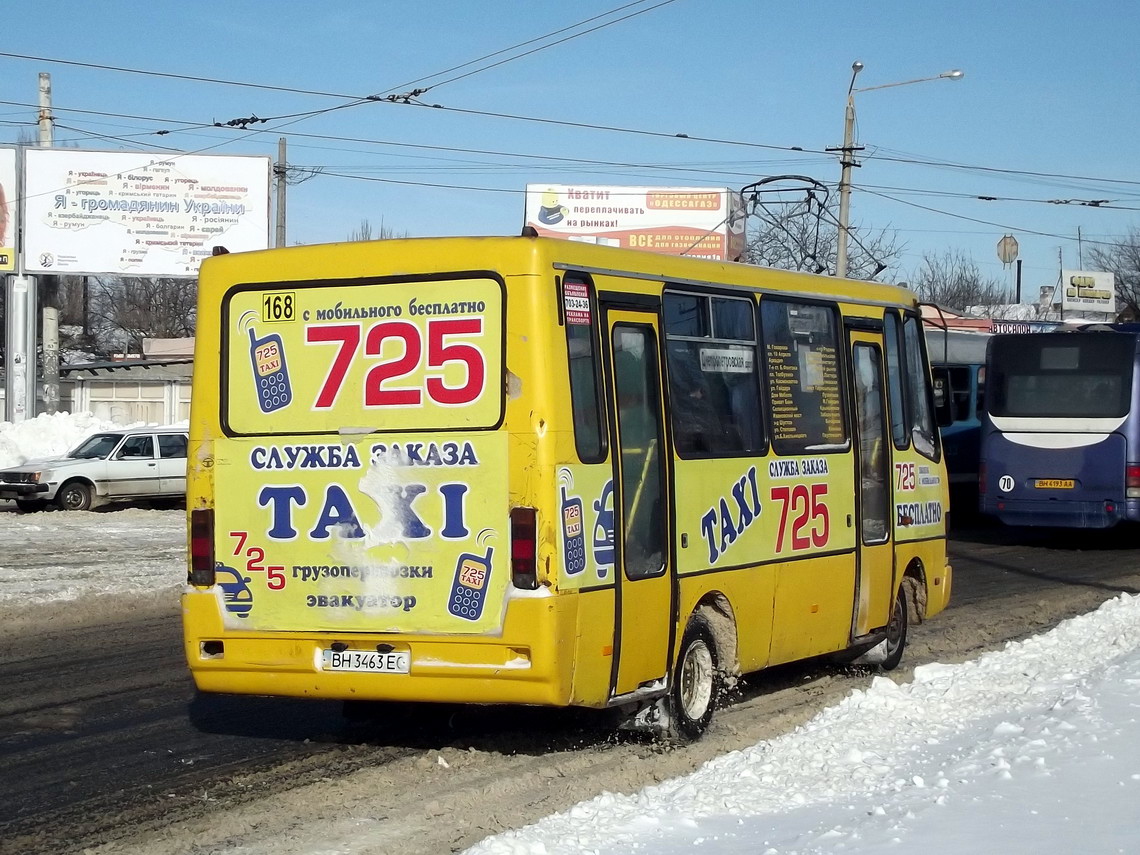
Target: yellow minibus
[[519, 470]]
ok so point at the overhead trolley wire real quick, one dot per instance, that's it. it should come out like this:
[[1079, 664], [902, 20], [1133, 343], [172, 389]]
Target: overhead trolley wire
[[1005, 226]]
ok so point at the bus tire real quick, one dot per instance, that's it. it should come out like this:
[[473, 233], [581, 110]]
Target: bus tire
[[888, 653], [75, 496], [695, 686]]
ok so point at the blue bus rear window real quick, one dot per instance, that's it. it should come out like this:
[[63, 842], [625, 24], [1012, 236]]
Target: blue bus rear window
[[1065, 375]]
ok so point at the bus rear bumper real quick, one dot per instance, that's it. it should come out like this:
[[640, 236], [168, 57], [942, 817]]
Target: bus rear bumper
[[1061, 513], [442, 669]]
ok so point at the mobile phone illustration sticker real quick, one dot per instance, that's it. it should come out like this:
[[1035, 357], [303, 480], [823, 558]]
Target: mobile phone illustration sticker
[[469, 590], [274, 391], [574, 541]]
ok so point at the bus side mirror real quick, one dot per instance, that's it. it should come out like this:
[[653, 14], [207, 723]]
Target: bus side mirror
[[943, 413]]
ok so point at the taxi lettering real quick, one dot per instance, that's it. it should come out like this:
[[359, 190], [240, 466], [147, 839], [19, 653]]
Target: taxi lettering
[[722, 524], [337, 511]]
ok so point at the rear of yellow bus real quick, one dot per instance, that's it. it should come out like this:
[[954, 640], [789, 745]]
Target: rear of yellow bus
[[355, 532]]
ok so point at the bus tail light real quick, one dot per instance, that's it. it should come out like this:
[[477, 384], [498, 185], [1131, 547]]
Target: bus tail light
[[1132, 481], [982, 478], [524, 548], [202, 548]]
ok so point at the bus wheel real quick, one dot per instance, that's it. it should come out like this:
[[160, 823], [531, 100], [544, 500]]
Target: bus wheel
[[887, 654], [693, 693], [74, 496]]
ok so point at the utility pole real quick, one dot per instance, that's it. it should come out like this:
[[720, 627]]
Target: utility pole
[[846, 160], [847, 155], [45, 122], [280, 171], [50, 314], [1060, 267]]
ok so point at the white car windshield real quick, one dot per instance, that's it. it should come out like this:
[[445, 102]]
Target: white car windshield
[[98, 446]]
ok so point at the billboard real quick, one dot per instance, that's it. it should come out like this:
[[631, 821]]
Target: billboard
[[699, 222], [1086, 291], [9, 226], [139, 213]]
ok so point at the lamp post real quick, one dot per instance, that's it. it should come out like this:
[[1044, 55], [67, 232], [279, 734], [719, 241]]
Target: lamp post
[[847, 154]]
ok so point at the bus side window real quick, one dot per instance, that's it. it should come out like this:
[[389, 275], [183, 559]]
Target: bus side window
[[943, 411], [891, 330], [714, 386], [801, 357], [589, 437], [918, 396]]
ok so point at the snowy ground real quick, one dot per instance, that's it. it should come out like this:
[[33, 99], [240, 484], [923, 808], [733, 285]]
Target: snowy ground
[[1031, 749], [1035, 748]]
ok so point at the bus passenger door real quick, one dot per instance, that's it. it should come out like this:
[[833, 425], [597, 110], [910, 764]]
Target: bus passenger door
[[641, 503], [874, 573]]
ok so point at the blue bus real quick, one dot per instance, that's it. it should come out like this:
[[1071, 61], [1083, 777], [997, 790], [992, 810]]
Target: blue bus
[[1061, 429], [958, 368]]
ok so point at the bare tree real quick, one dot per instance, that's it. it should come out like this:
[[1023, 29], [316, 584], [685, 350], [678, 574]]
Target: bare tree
[[71, 300], [953, 280], [1122, 258], [805, 237], [365, 232], [124, 311]]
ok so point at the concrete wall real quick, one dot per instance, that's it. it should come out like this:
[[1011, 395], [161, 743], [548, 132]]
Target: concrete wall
[[124, 397]]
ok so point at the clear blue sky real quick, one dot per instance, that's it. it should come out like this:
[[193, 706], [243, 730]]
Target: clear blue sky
[[1050, 87]]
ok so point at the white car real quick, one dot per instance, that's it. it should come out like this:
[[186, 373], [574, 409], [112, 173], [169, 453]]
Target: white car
[[112, 465]]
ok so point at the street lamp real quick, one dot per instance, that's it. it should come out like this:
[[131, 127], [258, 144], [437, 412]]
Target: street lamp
[[847, 159]]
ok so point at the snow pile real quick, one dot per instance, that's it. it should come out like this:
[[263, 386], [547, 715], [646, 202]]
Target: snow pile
[[46, 436], [1028, 748]]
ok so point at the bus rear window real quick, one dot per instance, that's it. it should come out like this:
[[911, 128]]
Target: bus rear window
[[319, 357], [1061, 375]]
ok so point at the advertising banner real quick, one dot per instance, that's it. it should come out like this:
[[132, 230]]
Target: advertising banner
[[364, 495], [698, 222], [387, 355], [405, 533], [1088, 291], [140, 213], [9, 226]]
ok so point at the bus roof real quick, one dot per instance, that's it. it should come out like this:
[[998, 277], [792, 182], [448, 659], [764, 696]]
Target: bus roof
[[400, 256]]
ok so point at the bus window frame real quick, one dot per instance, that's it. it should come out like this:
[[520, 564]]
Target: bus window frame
[[599, 388], [839, 325], [660, 421], [708, 295], [928, 387], [904, 398], [875, 351]]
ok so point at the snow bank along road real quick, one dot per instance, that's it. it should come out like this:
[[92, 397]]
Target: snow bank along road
[[105, 747]]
